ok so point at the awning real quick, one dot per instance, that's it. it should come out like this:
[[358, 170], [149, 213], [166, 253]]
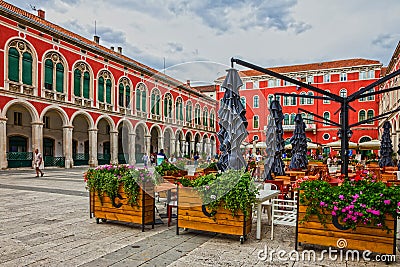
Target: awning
[[337, 145], [261, 145], [370, 145]]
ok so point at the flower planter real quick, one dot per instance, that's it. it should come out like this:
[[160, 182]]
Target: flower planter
[[364, 237], [192, 214], [119, 209]]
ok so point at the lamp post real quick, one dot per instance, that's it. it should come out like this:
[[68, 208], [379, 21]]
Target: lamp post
[[344, 102]]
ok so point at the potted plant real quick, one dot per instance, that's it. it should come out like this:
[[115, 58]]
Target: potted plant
[[361, 211], [122, 193], [219, 203]]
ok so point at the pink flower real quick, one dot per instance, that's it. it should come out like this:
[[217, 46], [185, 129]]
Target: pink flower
[[333, 213], [341, 197], [379, 225], [335, 208], [322, 203], [398, 204], [387, 201]]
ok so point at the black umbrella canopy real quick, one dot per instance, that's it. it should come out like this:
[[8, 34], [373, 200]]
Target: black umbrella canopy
[[299, 145], [232, 123], [386, 147], [270, 147]]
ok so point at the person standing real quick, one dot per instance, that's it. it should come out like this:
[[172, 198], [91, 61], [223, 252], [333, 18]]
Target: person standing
[[38, 160], [145, 160]]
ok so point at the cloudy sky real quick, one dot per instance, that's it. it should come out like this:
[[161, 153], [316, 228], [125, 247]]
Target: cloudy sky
[[198, 38]]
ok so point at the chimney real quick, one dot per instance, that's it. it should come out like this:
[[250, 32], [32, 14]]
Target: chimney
[[96, 39], [112, 48], [41, 14], [119, 49], [188, 82]]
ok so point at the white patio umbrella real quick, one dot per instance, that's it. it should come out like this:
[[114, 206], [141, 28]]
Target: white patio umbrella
[[312, 145], [370, 145], [337, 145], [261, 145]]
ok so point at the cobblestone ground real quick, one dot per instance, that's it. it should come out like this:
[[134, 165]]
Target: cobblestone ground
[[45, 222]]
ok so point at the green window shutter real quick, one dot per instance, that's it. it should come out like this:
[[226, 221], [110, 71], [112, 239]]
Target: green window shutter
[[121, 95], [181, 111], [108, 91], [13, 64], [165, 107], [152, 103], [177, 111], [158, 100], [60, 78], [27, 68], [128, 96], [48, 74], [138, 99], [86, 84], [144, 101], [77, 82], [100, 89]]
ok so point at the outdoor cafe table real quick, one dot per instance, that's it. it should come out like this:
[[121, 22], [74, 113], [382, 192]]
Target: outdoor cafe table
[[262, 196]]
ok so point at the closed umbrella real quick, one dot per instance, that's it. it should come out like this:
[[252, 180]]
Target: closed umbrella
[[386, 147], [271, 147], [299, 145], [232, 123]]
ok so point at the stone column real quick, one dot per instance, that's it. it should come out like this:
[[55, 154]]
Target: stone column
[[67, 146], [192, 147], [147, 144], [3, 144], [160, 143], [173, 146], [93, 147], [37, 136], [114, 147], [208, 147], [132, 149]]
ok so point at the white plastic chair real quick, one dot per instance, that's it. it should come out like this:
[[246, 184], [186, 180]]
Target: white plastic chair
[[284, 212], [268, 203]]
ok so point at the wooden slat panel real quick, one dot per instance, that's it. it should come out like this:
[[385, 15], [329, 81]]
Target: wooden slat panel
[[212, 227]]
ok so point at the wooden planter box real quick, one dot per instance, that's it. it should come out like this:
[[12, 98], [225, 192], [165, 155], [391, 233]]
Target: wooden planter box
[[119, 209], [363, 238], [193, 215]]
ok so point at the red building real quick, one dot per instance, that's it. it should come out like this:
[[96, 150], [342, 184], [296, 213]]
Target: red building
[[82, 103], [342, 77]]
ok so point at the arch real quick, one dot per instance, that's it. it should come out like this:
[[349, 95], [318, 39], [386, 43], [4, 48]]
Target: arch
[[31, 109], [140, 101], [188, 132], [205, 136], [343, 92], [128, 124], [89, 118], [106, 74], [49, 54], [168, 129], [60, 112], [141, 124], [364, 138], [128, 92], [107, 118]]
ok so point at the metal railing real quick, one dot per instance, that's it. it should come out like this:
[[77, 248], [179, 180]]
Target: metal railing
[[54, 161], [19, 159]]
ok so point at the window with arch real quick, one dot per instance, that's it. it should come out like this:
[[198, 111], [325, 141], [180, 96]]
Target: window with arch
[[255, 122], [104, 87], [54, 72], [286, 119], [141, 97], [189, 110], [361, 115], [326, 116], [292, 117], [212, 119], [155, 102], [20, 62], [197, 115], [179, 109], [326, 101], [310, 101], [286, 101], [124, 90], [343, 76], [243, 100], [168, 104], [365, 139], [205, 117], [302, 99], [82, 80], [293, 101], [370, 114], [343, 92], [255, 138], [256, 101]]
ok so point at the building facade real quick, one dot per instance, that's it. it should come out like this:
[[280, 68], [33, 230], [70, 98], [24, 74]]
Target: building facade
[[342, 77], [82, 103], [390, 100]]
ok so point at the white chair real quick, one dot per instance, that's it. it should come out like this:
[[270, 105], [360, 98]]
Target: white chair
[[284, 212], [268, 204]]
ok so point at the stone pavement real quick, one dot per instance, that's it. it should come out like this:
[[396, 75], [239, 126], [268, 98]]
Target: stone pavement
[[45, 222]]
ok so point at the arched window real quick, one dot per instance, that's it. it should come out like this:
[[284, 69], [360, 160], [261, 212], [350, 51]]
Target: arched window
[[54, 72], [82, 80], [370, 114], [104, 87], [197, 114], [310, 101], [205, 117], [141, 96], [292, 117], [302, 99], [286, 119], [286, 100], [325, 101], [20, 62], [189, 111], [326, 116], [293, 101], [243, 100], [365, 139], [168, 104], [179, 109], [361, 115], [256, 101], [255, 122], [343, 92], [124, 90], [155, 102], [212, 119]]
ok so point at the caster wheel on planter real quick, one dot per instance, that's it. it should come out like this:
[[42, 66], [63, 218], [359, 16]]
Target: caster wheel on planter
[[103, 220], [242, 240], [97, 220]]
